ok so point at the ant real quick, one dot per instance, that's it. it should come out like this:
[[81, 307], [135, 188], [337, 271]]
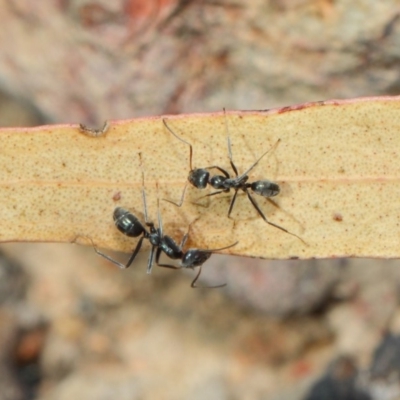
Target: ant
[[201, 177], [130, 226]]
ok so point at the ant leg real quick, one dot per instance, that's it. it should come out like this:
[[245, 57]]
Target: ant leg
[[186, 235], [226, 174], [158, 254], [182, 197], [212, 194], [150, 224], [208, 195], [232, 203], [168, 266], [150, 261], [184, 239], [193, 284], [131, 258], [255, 205], [259, 159]]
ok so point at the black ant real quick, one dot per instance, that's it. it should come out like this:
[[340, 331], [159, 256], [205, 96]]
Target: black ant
[[201, 177], [130, 226]]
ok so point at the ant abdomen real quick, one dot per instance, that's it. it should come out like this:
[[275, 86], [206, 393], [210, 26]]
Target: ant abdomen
[[199, 178], [265, 188], [127, 223]]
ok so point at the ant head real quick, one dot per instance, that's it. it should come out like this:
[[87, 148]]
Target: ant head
[[127, 223], [265, 188], [194, 258], [199, 178]]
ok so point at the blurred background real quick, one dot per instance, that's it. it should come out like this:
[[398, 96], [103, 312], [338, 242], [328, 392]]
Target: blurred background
[[73, 325]]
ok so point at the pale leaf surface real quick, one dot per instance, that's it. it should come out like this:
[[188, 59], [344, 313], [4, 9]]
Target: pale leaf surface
[[337, 164]]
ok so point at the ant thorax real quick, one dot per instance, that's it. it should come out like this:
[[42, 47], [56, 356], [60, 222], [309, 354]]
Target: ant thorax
[[219, 182]]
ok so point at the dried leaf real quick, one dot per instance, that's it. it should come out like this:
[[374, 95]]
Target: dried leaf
[[337, 165]]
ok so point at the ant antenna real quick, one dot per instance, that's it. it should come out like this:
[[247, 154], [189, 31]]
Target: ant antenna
[[194, 286], [219, 249], [182, 140], [230, 151], [229, 146], [259, 159], [160, 225], [189, 261], [146, 217]]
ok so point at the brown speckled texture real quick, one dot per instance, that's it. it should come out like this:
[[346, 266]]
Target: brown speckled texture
[[330, 159]]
